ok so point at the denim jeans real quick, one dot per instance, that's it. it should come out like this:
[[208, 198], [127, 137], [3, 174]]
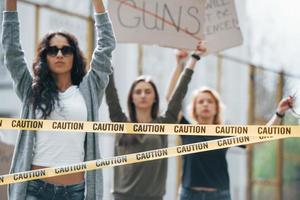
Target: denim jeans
[[189, 194], [40, 190]]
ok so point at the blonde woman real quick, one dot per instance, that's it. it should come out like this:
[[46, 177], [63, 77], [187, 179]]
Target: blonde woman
[[205, 175]]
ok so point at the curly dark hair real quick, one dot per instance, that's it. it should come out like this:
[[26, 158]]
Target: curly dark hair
[[44, 91]]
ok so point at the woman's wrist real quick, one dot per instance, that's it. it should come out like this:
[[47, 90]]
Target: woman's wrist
[[279, 114], [196, 56]]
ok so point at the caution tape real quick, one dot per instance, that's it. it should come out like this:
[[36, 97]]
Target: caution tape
[[243, 135], [148, 128], [133, 158]]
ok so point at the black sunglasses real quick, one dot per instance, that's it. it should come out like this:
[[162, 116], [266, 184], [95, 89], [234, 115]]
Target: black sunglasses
[[65, 50]]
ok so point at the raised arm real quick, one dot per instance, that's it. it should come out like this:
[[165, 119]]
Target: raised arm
[[14, 58], [284, 105], [106, 43], [181, 56], [97, 77], [176, 99], [115, 111]]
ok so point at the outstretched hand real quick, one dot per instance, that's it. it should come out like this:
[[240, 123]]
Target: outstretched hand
[[285, 104], [11, 5], [181, 55], [196, 55], [200, 48], [98, 6]]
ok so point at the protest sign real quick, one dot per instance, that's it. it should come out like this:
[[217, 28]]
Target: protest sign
[[221, 25], [177, 23], [172, 23]]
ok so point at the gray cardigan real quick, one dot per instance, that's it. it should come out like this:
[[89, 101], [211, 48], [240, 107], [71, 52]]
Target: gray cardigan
[[92, 88]]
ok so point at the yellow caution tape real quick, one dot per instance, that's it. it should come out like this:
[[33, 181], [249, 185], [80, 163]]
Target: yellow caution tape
[[243, 135], [149, 128], [133, 158]]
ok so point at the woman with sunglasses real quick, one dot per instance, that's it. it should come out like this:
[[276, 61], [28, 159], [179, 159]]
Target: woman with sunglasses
[[60, 89], [144, 180], [205, 175]]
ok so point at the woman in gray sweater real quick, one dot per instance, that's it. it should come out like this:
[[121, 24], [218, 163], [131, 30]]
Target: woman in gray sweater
[[61, 89], [144, 180]]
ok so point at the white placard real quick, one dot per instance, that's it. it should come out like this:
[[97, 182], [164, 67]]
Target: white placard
[[172, 23], [177, 23], [221, 25]]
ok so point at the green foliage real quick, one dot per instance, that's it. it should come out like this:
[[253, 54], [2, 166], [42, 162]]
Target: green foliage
[[264, 161]]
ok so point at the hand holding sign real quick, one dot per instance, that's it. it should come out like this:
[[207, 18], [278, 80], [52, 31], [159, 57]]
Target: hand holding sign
[[201, 48], [196, 55], [181, 55]]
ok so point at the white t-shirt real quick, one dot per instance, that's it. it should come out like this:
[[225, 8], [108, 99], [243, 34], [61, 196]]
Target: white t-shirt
[[54, 149]]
